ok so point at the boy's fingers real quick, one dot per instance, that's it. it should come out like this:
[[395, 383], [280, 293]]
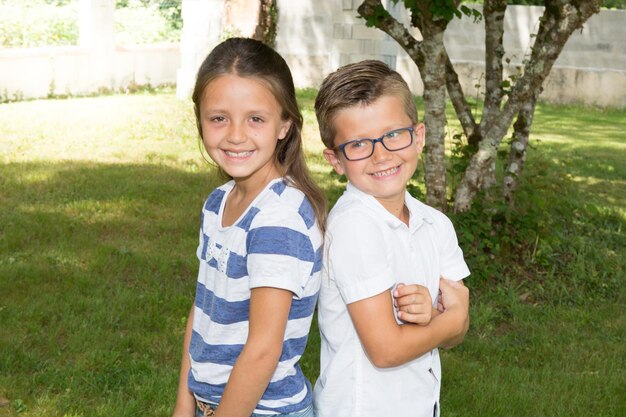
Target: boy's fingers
[[412, 299], [396, 290], [414, 318], [403, 290]]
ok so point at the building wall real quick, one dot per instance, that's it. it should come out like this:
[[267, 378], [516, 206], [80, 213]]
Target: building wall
[[96, 63], [315, 37]]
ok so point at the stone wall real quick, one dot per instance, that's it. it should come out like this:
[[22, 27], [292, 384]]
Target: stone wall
[[315, 37]]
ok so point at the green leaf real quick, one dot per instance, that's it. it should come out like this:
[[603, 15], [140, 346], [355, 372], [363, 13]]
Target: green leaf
[[380, 13]]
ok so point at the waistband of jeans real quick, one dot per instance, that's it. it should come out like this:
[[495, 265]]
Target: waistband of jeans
[[206, 408]]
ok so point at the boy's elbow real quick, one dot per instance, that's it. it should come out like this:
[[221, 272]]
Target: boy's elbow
[[458, 339], [453, 342], [384, 358]]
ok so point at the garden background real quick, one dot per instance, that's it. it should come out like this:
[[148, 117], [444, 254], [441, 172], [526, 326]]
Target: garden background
[[99, 205]]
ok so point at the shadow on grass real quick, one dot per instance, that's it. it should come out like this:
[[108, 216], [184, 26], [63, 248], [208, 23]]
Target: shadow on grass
[[97, 275]]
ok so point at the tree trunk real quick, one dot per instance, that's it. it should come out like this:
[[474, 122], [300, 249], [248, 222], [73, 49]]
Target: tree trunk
[[434, 78], [559, 20], [430, 57], [268, 22], [493, 13], [517, 154]]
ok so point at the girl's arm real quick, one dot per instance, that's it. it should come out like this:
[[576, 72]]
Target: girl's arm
[[389, 344], [269, 311], [185, 402]]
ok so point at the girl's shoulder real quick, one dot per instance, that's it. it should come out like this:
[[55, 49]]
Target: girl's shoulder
[[284, 205], [215, 198]]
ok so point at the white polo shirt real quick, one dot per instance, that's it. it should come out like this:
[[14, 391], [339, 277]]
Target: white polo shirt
[[368, 250]]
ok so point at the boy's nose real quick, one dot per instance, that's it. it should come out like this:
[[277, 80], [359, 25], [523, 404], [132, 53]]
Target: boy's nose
[[381, 153]]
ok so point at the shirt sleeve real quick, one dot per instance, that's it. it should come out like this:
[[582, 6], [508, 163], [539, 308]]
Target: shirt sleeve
[[280, 253], [357, 258], [453, 265]]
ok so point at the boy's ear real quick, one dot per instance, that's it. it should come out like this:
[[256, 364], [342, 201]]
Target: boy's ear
[[284, 128], [333, 159], [420, 136]]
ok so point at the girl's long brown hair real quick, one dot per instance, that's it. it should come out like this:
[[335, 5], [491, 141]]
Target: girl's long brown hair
[[251, 58]]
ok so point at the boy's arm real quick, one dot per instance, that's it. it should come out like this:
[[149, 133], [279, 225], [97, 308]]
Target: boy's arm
[[253, 370], [185, 402], [389, 344], [457, 339]]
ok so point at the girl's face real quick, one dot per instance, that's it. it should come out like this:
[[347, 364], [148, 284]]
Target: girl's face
[[241, 125]]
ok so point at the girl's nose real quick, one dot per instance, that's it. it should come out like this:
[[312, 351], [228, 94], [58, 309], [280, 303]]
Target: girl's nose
[[236, 135], [381, 154]]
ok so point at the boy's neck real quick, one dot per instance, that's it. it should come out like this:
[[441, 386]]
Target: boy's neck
[[397, 208]]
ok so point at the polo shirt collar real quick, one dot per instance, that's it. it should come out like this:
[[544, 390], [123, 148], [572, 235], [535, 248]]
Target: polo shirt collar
[[417, 213]]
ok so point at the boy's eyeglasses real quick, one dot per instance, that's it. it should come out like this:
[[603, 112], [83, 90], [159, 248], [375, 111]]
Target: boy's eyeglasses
[[396, 140]]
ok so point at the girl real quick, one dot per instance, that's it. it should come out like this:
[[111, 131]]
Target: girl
[[260, 243]]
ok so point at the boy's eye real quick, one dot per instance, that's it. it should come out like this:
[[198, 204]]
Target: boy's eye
[[256, 119], [217, 119], [358, 144], [392, 135]]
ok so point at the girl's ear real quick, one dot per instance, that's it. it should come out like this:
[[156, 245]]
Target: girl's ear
[[419, 131], [332, 158], [284, 128]]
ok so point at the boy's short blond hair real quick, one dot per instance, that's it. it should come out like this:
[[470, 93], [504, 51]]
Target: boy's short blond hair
[[358, 84]]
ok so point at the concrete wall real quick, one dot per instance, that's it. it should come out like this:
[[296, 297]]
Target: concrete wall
[[39, 72], [591, 69], [96, 63], [315, 37]]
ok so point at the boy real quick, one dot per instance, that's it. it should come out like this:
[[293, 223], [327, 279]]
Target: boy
[[371, 363]]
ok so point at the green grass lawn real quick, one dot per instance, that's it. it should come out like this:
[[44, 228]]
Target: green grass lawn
[[99, 207]]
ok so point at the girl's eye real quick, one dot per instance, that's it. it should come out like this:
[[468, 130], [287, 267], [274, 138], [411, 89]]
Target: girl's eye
[[256, 119], [217, 119]]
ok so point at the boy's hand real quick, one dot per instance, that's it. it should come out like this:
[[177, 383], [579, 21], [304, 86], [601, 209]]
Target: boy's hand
[[413, 303], [454, 299], [452, 294]]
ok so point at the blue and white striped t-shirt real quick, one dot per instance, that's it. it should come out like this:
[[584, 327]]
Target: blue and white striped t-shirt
[[275, 243]]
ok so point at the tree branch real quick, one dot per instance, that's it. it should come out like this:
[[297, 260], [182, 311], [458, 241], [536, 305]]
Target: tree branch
[[461, 106], [519, 145], [380, 17]]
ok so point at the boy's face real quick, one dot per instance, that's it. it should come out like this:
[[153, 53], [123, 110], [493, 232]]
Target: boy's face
[[383, 175]]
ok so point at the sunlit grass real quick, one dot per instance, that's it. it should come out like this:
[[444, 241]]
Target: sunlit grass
[[99, 207]]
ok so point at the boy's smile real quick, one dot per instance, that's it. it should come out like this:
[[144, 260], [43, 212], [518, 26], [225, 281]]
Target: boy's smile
[[385, 174]]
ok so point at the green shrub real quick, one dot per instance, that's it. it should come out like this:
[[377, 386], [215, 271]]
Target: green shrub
[[38, 23], [140, 22]]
